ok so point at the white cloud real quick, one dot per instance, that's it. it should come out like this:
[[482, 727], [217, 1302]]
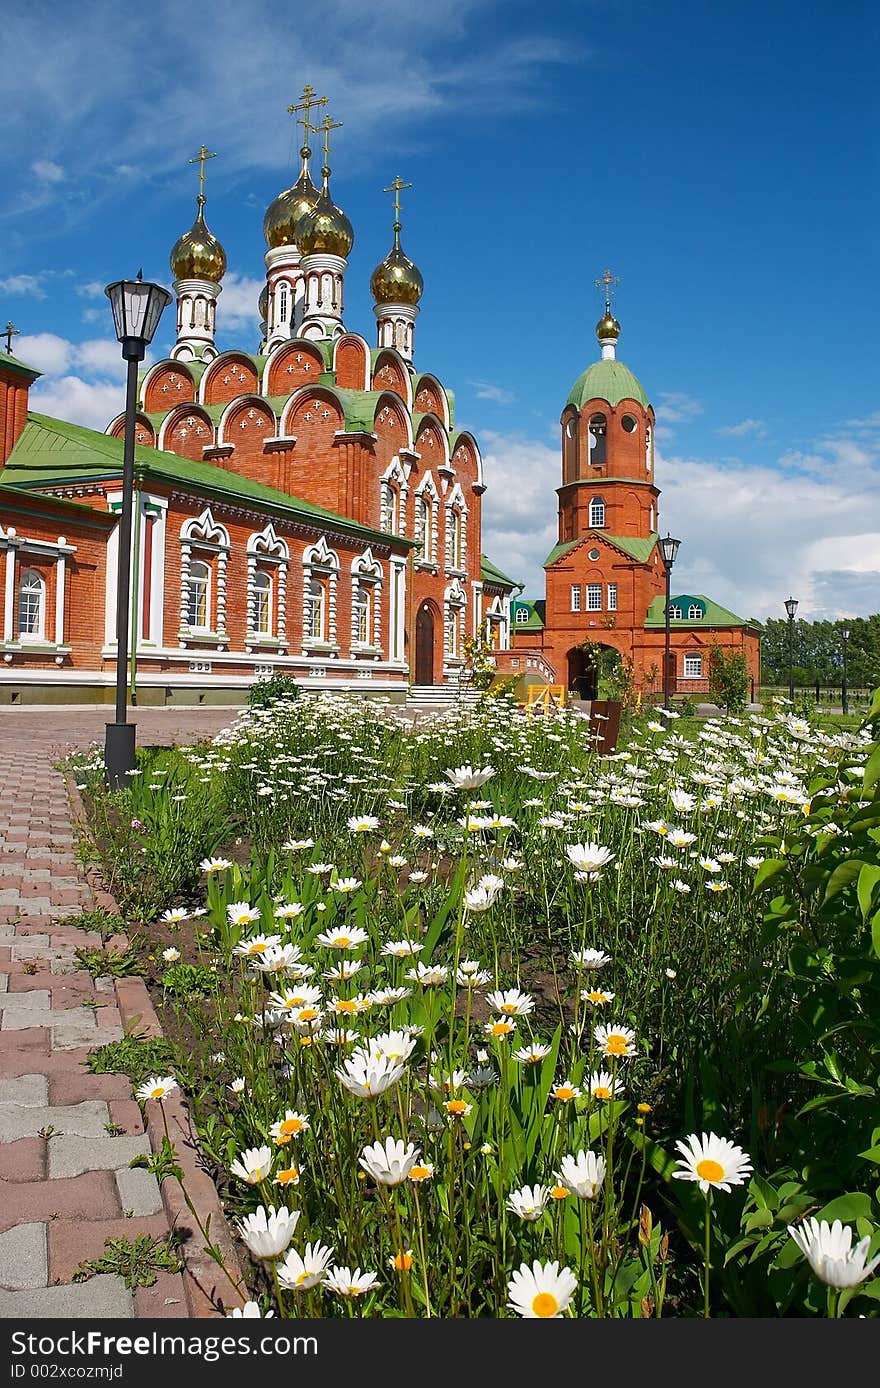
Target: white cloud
[[47, 171], [92, 289], [100, 355], [745, 426], [485, 390], [46, 351], [519, 511], [676, 407], [238, 304], [22, 284], [93, 403]]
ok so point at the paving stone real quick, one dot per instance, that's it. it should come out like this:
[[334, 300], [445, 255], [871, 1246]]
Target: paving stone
[[139, 1192], [68, 1036], [166, 1299], [26, 1000], [71, 1242], [69, 1083], [71, 1156], [33, 943], [14, 1018], [90, 1196], [24, 1160], [4, 983], [127, 1113], [19, 1050], [101, 1298], [24, 1257], [88, 1119], [29, 1091]]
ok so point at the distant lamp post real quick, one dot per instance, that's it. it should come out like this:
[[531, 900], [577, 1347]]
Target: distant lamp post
[[668, 551], [791, 607], [845, 633], [137, 307]]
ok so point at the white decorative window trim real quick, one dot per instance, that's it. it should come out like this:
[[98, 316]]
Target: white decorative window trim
[[321, 563], [207, 537], [367, 575], [266, 550]]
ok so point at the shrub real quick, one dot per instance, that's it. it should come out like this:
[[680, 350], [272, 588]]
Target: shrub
[[266, 692]]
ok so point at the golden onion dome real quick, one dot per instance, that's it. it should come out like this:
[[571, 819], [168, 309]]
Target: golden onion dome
[[264, 303], [198, 255], [607, 325], [325, 229], [283, 214], [396, 279]]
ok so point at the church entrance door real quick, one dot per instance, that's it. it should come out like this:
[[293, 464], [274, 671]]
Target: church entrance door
[[424, 646]]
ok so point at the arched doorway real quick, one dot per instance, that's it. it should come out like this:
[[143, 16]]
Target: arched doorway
[[424, 673], [589, 669]]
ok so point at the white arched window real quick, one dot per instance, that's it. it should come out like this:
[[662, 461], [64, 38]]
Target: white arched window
[[199, 597], [363, 622], [598, 434], [597, 512], [695, 612], [316, 609], [262, 603], [674, 612], [426, 526], [283, 302], [31, 606], [366, 594], [456, 556]]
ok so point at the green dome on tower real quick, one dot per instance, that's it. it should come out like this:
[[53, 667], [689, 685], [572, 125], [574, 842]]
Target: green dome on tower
[[607, 380]]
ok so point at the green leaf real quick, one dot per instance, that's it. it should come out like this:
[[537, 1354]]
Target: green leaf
[[875, 933], [842, 876], [872, 770], [868, 879], [854, 1205], [771, 867]]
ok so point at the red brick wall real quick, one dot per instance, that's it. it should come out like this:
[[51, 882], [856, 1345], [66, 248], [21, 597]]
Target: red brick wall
[[229, 376], [168, 385]]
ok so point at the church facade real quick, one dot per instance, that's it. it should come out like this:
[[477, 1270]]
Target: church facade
[[605, 581], [310, 507]]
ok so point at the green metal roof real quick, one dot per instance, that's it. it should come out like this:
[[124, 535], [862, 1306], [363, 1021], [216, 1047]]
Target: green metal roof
[[607, 380], [636, 547], [12, 501], [51, 452], [490, 573], [536, 609], [13, 364], [715, 615]]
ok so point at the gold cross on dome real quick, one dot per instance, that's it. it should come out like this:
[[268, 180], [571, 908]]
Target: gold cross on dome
[[396, 188], [305, 104], [327, 125], [201, 159], [10, 332], [608, 283]]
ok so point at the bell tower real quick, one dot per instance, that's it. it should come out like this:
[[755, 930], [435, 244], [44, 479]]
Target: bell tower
[[607, 446]]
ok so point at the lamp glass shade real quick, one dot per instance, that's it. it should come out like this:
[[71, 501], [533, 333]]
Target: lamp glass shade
[[137, 307], [845, 633], [791, 607], [668, 550]]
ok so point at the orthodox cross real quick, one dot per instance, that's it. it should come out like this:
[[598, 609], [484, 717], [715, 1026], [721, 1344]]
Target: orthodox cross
[[305, 104], [608, 283], [327, 125], [201, 159], [10, 332], [396, 188]]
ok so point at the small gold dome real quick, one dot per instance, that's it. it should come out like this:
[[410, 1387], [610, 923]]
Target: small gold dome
[[283, 214], [198, 255], [607, 325], [396, 279], [325, 229], [264, 303]]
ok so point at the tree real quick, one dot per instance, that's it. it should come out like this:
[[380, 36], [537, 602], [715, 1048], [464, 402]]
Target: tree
[[728, 678]]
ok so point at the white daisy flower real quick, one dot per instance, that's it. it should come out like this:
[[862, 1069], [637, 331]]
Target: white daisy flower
[[156, 1087], [469, 778], [344, 1282], [543, 1290], [712, 1161], [369, 1074], [511, 1003], [529, 1202], [583, 1175], [615, 1040], [829, 1250], [298, 1272], [253, 1165], [267, 1232], [389, 1162]]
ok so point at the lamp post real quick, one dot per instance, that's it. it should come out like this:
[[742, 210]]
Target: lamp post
[[137, 307], [845, 634], [668, 551], [791, 607]]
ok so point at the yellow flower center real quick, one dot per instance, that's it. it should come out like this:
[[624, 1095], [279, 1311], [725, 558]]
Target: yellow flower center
[[564, 1091], [596, 997], [346, 1005], [616, 1044], [308, 1014], [419, 1173], [157, 1092], [601, 1092], [288, 1177], [257, 948], [560, 1193], [457, 1106], [303, 1277], [305, 1040], [545, 1304], [509, 1008], [501, 1028], [403, 1262], [291, 1126], [342, 941], [709, 1170]]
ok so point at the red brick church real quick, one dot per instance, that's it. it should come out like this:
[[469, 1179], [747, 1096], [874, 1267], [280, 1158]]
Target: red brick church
[[605, 578], [310, 507]]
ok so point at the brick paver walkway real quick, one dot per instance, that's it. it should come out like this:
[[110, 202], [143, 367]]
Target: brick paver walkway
[[66, 1136]]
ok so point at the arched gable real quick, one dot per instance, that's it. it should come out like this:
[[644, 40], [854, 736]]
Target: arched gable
[[230, 375], [392, 422], [290, 366], [165, 385], [467, 458], [266, 542], [203, 529], [390, 373], [144, 433], [430, 398], [187, 431], [432, 442], [367, 565], [312, 408], [244, 421], [351, 362], [320, 555]]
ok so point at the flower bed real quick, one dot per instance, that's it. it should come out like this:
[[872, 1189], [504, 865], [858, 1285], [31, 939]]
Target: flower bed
[[475, 1022]]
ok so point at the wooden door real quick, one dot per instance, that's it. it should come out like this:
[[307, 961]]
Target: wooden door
[[424, 646]]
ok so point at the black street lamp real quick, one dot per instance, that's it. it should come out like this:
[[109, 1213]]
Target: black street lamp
[[845, 633], [137, 307], [668, 551], [791, 607]]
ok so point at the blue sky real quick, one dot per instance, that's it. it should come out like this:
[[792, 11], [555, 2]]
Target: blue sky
[[720, 158]]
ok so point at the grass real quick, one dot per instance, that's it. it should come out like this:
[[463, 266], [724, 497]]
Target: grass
[[137, 1261], [134, 1055]]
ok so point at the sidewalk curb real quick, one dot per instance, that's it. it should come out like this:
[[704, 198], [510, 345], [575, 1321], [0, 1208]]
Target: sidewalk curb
[[208, 1289]]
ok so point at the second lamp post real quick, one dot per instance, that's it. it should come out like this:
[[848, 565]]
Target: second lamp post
[[791, 607], [668, 551]]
